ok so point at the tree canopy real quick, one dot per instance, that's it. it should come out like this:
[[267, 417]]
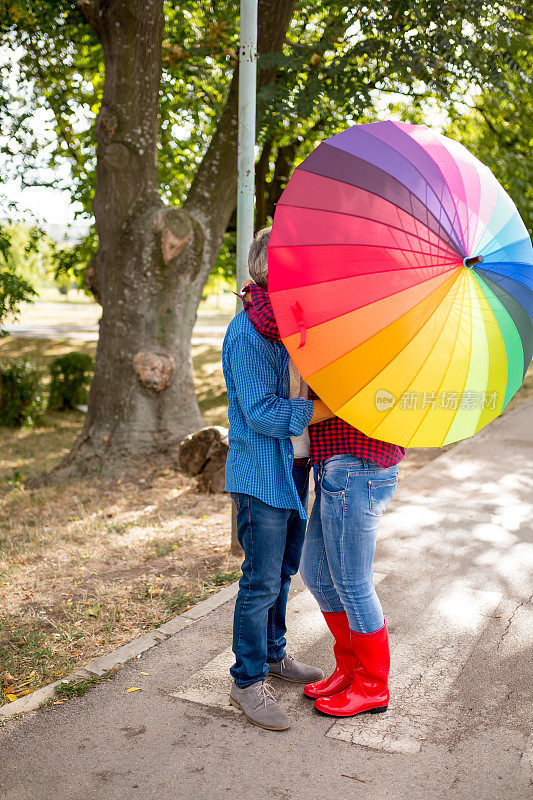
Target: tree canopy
[[133, 106], [340, 63]]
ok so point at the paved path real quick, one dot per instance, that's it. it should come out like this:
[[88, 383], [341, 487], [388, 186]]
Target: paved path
[[452, 567]]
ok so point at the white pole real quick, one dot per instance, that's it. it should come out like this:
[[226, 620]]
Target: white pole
[[246, 141], [245, 159]]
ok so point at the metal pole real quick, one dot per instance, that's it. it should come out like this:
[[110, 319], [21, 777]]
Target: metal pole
[[245, 161]]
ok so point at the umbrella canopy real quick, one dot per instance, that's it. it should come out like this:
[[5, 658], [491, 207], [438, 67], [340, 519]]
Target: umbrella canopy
[[401, 277]]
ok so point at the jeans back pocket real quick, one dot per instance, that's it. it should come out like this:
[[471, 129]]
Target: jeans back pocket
[[380, 493]]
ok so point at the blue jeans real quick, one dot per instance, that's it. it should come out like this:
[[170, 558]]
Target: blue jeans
[[350, 497], [272, 540]]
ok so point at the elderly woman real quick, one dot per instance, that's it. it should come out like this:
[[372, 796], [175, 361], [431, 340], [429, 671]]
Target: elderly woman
[[355, 480], [267, 474]]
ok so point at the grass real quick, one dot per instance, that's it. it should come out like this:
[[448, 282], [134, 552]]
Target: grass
[[89, 566], [77, 688], [178, 601]]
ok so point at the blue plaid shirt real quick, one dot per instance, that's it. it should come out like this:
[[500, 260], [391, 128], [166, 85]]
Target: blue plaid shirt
[[262, 418]]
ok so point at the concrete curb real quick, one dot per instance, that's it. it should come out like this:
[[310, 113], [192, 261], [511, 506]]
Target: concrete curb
[[115, 658]]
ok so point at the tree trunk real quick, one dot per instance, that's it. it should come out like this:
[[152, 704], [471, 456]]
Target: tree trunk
[[261, 171], [282, 172], [153, 261]]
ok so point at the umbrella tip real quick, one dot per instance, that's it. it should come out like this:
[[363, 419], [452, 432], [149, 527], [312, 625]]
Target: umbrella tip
[[471, 262]]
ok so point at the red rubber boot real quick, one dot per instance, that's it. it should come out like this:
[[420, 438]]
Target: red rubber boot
[[337, 622], [369, 690]]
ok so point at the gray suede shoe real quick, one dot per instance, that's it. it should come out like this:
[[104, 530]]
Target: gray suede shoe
[[295, 671], [259, 705]]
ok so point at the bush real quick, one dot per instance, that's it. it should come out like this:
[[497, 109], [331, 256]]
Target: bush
[[71, 378], [21, 398]]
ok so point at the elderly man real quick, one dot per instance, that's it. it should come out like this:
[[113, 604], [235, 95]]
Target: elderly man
[[267, 474]]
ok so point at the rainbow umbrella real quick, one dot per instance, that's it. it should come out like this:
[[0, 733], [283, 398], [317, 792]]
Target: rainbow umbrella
[[401, 277]]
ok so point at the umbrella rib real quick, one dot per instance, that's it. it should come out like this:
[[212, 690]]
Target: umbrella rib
[[355, 244], [365, 305], [447, 249], [386, 413], [447, 186], [428, 154], [511, 324], [452, 351], [502, 246], [411, 194], [490, 316], [396, 354], [518, 315], [450, 264], [491, 351], [491, 266], [467, 372], [452, 196], [427, 185]]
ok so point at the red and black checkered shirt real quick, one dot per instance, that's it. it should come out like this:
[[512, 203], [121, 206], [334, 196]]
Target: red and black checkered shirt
[[332, 437]]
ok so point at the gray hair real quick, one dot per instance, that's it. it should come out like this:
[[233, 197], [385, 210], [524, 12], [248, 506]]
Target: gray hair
[[257, 258]]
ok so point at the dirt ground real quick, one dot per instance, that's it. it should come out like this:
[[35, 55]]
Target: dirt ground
[[88, 566]]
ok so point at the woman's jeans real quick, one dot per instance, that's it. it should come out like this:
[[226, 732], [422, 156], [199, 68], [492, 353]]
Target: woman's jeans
[[351, 494], [272, 540]]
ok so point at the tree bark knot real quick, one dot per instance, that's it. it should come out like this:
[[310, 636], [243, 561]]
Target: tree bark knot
[[176, 231], [153, 370], [117, 155], [109, 122]]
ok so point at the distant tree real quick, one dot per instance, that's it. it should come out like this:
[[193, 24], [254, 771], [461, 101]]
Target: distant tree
[[497, 126], [69, 262], [15, 288]]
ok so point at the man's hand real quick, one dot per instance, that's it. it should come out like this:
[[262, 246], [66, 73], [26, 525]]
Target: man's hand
[[320, 412], [248, 282]]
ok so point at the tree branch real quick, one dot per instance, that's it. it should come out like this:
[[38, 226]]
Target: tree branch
[[92, 11]]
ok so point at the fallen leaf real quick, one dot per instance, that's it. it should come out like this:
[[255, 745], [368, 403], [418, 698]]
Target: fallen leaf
[[143, 673], [11, 697], [134, 689]]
